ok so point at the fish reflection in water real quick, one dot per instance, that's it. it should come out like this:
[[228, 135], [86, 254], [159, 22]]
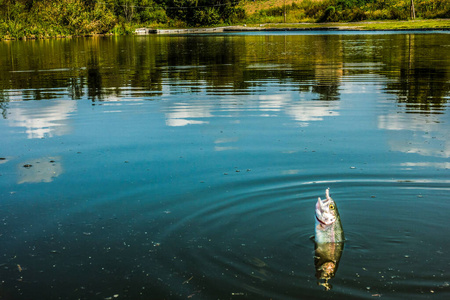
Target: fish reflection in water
[[326, 262], [329, 240]]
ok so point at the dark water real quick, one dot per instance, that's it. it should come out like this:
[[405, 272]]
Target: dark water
[[188, 167]]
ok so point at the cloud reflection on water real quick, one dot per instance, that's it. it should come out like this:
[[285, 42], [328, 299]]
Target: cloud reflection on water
[[437, 165], [43, 169], [422, 134], [300, 110], [44, 118], [183, 114]]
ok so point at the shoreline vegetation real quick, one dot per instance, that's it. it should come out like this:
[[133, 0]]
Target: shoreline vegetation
[[36, 19]]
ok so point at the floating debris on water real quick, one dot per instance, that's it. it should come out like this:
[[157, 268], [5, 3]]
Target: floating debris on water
[[193, 294], [187, 281]]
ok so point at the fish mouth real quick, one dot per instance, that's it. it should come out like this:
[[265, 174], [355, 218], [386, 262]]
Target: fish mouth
[[323, 214], [320, 221]]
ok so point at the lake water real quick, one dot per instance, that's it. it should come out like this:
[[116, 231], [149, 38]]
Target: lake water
[[188, 167]]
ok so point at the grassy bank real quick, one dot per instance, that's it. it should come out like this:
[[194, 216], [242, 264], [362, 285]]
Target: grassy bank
[[294, 11], [366, 25]]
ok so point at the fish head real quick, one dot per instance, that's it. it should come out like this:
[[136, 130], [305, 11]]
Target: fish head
[[326, 210]]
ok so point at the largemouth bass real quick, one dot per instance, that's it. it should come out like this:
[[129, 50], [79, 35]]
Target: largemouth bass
[[328, 228]]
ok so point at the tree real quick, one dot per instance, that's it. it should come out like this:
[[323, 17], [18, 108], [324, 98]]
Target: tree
[[13, 17], [203, 12]]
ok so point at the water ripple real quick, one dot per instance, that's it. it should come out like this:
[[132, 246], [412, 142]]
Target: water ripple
[[256, 236]]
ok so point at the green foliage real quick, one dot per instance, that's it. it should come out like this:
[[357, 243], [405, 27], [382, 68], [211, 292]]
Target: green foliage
[[207, 16], [353, 10], [102, 18], [433, 8], [328, 14], [13, 14], [204, 12], [358, 10], [150, 12]]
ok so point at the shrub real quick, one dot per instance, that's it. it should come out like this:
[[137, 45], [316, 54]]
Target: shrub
[[328, 14], [433, 8], [102, 19], [207, 16], [357, 14]]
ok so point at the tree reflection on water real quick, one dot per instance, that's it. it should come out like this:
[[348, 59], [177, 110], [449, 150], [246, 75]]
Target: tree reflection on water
[[99, 67]]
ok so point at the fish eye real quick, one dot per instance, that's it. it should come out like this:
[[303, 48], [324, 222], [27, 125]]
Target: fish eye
[[331, 206]]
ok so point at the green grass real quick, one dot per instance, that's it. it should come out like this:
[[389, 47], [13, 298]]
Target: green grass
[[368, 25], [412, 24]]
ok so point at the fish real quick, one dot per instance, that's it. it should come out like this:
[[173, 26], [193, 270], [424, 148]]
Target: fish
[[328, 226], [329, 240]]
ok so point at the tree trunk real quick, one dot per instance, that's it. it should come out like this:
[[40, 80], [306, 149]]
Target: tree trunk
[[413, 11]]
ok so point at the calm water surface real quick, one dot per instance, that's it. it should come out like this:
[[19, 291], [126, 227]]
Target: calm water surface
[[188, 167]]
